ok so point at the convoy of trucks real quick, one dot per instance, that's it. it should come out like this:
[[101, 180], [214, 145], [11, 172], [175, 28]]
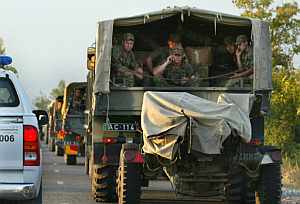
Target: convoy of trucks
[[207, 140]]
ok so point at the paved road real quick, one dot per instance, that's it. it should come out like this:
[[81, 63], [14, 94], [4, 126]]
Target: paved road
[[64, 184]]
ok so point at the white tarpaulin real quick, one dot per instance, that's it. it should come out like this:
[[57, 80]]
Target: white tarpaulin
[[165, 116]]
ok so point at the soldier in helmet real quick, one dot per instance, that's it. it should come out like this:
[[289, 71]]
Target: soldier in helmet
[[123, 64], [174, 70]]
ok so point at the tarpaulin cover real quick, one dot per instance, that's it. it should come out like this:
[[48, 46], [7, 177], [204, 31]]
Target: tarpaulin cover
[[165, 116]]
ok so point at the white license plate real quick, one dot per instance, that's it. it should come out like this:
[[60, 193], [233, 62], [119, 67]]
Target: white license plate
[[119, 126]]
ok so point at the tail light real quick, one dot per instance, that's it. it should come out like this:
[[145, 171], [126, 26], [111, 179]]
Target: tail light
[[255, 141], [31, 146], [109, 140], [74, 147], [133, 157], [78, 138]]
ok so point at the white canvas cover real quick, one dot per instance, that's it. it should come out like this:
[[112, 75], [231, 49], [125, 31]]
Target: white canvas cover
[[165, 116]]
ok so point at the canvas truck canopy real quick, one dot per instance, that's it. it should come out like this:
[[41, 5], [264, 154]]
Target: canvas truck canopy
[[165, 116], [258, 30]]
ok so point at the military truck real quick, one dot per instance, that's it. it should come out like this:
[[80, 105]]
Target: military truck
[[73, 121], [54, 125], [208, 140]]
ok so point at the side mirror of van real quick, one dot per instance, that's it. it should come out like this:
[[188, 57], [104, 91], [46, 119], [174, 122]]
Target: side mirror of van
[[42, 117]]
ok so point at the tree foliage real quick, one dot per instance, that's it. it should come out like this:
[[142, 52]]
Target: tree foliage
[[42, 102], [59, 90], [284, 27], [2, 47], [285, 102], [284, 114]]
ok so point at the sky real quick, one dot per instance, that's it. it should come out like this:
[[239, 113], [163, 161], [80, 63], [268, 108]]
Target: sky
[[48, 38]]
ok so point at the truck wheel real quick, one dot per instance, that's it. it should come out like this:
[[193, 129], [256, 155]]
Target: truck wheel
[[70, 159], [129, 183], [238, 189], [59, 151], [269, 184], [104, 183]]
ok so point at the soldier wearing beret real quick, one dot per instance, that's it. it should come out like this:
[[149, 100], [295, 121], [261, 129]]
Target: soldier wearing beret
[[123, 64]]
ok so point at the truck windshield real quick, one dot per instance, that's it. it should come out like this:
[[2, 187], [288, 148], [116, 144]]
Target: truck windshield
[[8, 94]]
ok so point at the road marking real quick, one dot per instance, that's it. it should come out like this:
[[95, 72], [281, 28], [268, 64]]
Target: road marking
[[60, 182], [56, 170]]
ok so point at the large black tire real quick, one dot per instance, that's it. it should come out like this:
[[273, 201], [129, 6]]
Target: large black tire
[[104, 183], [59, 151], [269, 184], [70, 159], [239, 189], [129, 182]]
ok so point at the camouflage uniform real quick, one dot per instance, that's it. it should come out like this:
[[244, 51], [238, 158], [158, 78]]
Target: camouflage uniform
[[247, 63], [173, 74], [122, 60]]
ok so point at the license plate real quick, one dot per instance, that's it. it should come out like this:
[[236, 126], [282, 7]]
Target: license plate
[[119, 127]]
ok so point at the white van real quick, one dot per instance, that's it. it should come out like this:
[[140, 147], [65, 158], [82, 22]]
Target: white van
[[20, 154]]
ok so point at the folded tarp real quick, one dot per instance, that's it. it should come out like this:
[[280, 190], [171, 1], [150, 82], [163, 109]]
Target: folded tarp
[[165, 116]]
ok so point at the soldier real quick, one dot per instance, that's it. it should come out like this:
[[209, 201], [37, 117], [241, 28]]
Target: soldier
[[174, 71], [158, 56], [123, 64], [77, 102], [224, 60], [244, 59]]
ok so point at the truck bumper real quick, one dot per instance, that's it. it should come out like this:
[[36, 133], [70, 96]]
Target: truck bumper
[[17, 191]]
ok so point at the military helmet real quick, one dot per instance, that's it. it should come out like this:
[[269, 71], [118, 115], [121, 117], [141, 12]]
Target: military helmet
[[128, 36], [240, 39]]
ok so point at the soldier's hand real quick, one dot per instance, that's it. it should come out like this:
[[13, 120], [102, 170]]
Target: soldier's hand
[[170, 59]]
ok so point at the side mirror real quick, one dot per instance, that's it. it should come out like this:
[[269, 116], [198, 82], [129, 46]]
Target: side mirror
[[42, 117], [91, 58]]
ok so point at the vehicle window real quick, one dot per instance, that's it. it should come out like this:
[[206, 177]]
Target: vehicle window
[[8, 94]]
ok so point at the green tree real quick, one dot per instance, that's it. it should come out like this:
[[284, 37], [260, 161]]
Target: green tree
[[284, 27], [59, 90], [285, 102], [2, 47], [2, 52], [42, 102]]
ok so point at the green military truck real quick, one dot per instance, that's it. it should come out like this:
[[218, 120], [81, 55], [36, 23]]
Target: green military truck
[[54, 125], [208, 140], [71, 134]]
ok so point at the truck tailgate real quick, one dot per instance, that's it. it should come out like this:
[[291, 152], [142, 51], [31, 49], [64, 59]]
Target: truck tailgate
[[11, 143]]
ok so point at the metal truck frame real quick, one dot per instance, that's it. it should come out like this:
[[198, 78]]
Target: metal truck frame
[[114, 160]]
